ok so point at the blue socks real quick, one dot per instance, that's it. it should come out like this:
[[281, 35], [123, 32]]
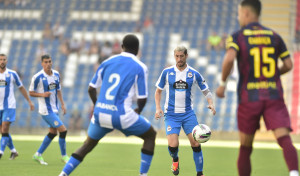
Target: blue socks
[[198, 158], [73, 162], [4, 141], [62, 145], [10, 143], [46, 142], [146, 158]]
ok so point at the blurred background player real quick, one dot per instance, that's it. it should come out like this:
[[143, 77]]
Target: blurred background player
[[260, 92], [178, 81], [121, 77], [46, 86], [8, 104]]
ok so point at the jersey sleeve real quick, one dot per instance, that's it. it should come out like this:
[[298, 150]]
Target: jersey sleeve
[[58, 81], [232, 42], [201, 81], [282, 50], [17, 79], [34, 84], [161, 82], [141, 83], [97, 78]]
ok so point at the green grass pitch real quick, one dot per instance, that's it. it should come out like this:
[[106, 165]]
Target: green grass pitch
[[123, 160]]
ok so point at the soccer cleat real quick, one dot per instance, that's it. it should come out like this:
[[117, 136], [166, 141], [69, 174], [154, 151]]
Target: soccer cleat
[[0, 155], [175, 167], [13, 155], [39, 159], [63, 174], [65, 159]]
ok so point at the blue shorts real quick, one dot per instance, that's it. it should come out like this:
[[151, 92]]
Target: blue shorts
[[52, 119], [7, 115], [187, 121], [96, 132]]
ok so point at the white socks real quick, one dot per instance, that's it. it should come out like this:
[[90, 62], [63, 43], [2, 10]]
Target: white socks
[[294, 173]]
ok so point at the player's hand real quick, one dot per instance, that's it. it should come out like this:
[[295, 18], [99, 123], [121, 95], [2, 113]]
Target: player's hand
[[212, 109], [47, 94], [159, 113], [31, 106], [137, 110], [220, 91], [63, 108]]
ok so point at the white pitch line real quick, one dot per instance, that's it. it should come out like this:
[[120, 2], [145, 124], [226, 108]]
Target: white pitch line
[[159, 141]]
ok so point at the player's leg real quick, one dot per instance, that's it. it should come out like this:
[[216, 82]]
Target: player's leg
[[1, 113], [277, 119], [173, 127], [244, 164], [62, 142], [248, 122], [9, 116], [289, 151], [188, 123], [95, 133]]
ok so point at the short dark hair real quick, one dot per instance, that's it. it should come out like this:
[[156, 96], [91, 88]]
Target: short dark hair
[[3, 55], [254, 4], [45, 56], [131, 43]]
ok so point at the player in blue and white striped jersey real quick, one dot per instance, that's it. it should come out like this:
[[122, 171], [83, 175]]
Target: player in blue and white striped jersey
[[8, 104], [46, 86], [178, 80], [120, 78]]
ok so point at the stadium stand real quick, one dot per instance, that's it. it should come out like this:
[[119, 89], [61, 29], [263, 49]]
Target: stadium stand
[[187, 22]]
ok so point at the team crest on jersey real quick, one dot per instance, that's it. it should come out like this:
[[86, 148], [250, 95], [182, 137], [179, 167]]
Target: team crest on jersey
[[3, 83], [169, 128], [44, 78], [56, 123], [180, 85], [190, 74], [172, 73], [52, 86]]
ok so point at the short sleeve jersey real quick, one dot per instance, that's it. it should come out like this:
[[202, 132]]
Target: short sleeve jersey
[[42, 82], [258, 49], [178, 85], [7, 80]]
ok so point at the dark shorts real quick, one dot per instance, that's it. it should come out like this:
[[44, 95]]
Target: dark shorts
[[274, 112]]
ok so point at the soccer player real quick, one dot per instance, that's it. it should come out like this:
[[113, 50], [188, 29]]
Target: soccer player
[[178, 81], [260, 92], [8, 104], [121, 78], [46, 86]]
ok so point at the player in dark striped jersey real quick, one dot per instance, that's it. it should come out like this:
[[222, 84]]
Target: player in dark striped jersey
[[260, 92]]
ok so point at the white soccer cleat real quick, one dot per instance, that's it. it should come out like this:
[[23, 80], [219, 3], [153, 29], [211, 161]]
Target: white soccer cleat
[[39, 159], [62, 174], [294, 173]]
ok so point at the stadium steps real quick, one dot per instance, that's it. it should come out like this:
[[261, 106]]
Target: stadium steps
[[276, 14]]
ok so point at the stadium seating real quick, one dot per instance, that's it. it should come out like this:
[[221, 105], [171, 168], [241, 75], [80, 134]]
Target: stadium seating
[[175, 22]]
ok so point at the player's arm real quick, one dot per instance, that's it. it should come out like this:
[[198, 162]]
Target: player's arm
[[59, 95], [25, 94], [159, 112], [226, 70], [93, 94], [287, 66], [141, 104], [209, 100], [35, 94]]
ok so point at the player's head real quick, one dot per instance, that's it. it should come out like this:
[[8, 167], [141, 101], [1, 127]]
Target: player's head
[[3, 61], [46, 62], [249, 11], [131, 44], [180, 54]]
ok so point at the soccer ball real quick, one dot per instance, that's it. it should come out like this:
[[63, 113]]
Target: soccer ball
[[201, 133]]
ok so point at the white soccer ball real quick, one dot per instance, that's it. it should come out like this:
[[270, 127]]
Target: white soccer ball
[[201, 133]]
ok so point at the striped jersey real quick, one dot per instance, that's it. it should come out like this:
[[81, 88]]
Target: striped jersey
[[7, 80], [42, 82], [121, 77], [258, 49], [178, 85]]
